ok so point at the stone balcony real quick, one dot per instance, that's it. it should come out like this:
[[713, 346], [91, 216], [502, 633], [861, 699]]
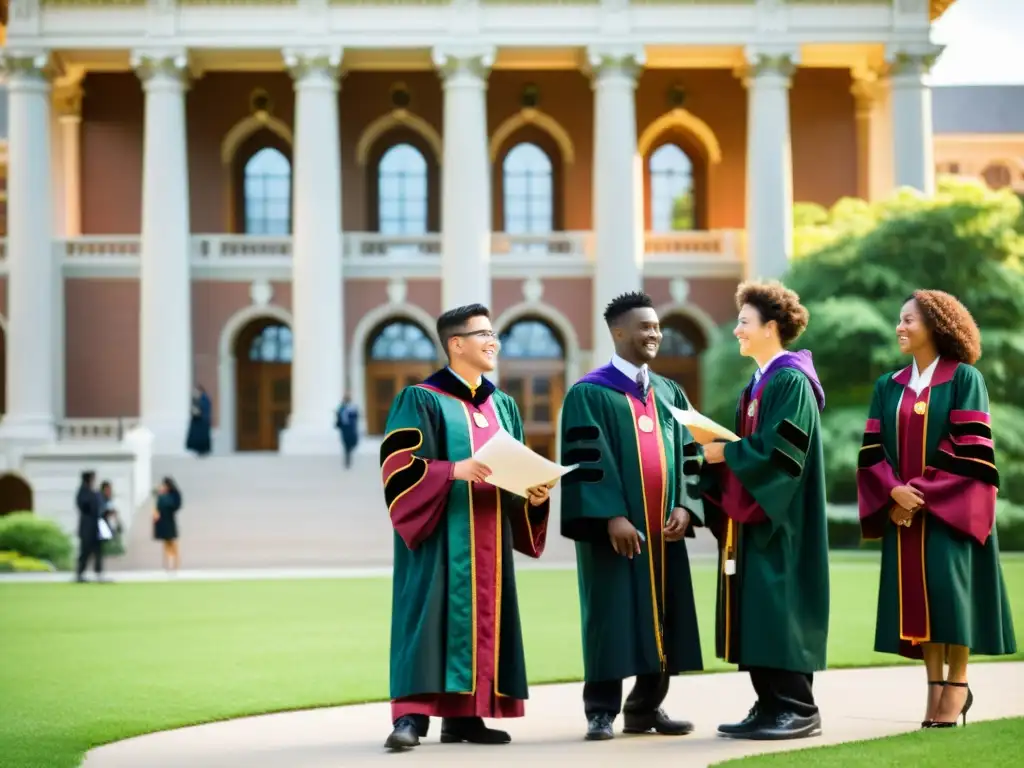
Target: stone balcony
[[716, 253]]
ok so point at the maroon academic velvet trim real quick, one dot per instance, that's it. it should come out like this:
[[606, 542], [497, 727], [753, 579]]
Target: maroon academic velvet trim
[[737, 501], [416, 513], [874, 489], [913, 597], [652, 467], [527, 537], [484, 702]]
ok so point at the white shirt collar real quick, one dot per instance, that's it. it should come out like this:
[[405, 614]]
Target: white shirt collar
[[629, 369], [921, 379], [471, 387], [763, 368]]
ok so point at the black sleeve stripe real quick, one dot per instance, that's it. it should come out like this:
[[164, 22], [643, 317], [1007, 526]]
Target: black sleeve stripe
[[980, 452], [871, 438], [792, 434], [691, 449], [583, 475], [969, 468], [403, 480], [582, 434], [400, 440], [971, 428], [785, 462], [691, 467], [581, 456], [870, 455]]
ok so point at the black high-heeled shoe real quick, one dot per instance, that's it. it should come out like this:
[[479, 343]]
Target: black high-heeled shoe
[[941, 684], [963, 711]]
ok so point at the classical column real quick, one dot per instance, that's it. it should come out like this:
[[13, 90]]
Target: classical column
[[69, 122], [617, 190], [316, 255], [165, 290], [31, 262], [465, 177], [769, 163], [913, 152]]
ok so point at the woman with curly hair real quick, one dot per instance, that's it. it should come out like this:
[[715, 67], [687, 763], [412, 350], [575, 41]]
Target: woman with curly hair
[[926, 486], [766, 505]]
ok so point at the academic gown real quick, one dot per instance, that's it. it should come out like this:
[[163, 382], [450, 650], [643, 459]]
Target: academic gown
[[456, 641], [940, 579], [637, 461], [767, 508]]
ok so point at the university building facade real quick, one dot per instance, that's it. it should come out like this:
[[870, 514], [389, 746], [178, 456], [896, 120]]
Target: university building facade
[[276, 198]]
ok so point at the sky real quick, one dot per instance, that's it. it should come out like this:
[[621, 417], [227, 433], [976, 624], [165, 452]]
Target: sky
[[982, 39]]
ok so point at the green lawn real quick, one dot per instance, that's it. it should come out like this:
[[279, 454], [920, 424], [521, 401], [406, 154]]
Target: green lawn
[[83, 665], [993, 744]]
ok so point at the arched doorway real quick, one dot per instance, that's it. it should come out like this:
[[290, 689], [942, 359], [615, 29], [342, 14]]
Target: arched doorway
[[682, 344], [15, 495], [263, 384], [399, 353], [533, 374]]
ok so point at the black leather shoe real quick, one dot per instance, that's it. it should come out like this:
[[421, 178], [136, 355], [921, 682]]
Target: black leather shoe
[[657, 721], [599, 727], [747, 724], [471, 730], [783, 726], [405, 735]]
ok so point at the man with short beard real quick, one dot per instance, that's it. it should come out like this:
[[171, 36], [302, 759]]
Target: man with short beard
[[629, 506]]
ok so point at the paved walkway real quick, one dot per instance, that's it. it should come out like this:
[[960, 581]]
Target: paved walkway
[[856, 704]]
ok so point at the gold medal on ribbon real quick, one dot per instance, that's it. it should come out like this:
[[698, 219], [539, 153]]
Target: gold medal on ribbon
[[480, 420], [646, 423], [920, 408]]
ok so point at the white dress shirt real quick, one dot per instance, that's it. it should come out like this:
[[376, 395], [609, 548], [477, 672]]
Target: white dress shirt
[[632, 371], [921, 379]]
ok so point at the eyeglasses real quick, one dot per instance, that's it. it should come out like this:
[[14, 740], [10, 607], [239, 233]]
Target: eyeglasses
[[480, 334]]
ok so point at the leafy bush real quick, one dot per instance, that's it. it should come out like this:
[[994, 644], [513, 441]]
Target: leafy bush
[[13, 562], [36, 537], [1010, 526]]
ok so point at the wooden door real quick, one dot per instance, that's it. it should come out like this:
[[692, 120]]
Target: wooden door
[[384, 380], [538, 387], [684, 371], [264, 403]]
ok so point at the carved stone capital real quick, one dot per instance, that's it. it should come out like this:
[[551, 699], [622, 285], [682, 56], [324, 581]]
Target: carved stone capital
[[458, 62], [767, 62], [314, 63], [615, 61], [165, 65], [67, 102], [26, 65], [865, 87], [915, 62]]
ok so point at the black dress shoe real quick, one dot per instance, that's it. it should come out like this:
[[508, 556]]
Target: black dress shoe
[[405, 735], [657, 721], [786, 725], [599, 727], [471, 730], [747, 724]]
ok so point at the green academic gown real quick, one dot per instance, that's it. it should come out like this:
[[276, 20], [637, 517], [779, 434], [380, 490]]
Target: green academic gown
[[637, 461], [766, 504], [456, 640], [940, 579]]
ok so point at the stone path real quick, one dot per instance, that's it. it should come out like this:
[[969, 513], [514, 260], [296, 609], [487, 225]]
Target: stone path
[[856, 704]]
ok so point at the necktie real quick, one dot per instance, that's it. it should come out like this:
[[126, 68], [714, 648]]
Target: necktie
[[641, 382]]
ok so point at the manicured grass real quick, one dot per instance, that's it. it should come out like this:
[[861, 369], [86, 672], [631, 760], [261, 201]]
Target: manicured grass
[[992, 743], [83, 665]]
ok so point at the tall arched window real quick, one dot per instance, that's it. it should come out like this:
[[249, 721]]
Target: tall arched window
[[672, 205], [268, 199], [272, 345], [402, 191], [402, 340], [528, 190], [531, 339]]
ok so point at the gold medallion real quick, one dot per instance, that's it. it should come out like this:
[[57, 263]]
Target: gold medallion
[[646, 423], [752, 409], [920, 408], [480, 420]]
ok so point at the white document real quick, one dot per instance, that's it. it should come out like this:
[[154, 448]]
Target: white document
[[105, 533], [704, 430], [514, 467]]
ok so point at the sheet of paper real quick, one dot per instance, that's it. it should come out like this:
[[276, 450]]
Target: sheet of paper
[[703, 429], [514, 467]]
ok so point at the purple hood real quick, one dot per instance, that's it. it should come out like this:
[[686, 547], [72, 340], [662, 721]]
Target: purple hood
[[802, 362]]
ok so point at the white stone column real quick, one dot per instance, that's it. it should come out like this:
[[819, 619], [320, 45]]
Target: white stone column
[[769, 163], [617, 191], [30, 254], [465, 177], [913, 150], [316, 255], [69, 121], [165, 289]]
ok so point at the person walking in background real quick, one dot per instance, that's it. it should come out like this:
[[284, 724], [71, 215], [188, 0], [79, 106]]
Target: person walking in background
[[90, 510], [201, 424], [926, 485], [165, 521], [765, 498], [628, 507], [347, 422], [113, 545]]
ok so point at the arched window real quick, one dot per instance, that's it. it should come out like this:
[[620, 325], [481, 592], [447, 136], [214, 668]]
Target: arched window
[[268, 201], [675, 343], [402, 191], [531, 339], [672, 204], [528, 190], [402, 340], [272, 345]]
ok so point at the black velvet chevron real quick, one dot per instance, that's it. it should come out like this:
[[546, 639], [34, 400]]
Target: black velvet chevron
[[871, 438], [980, 452], [971, 428], [870, 455], [582, 434], [691, 467], [785, 462], [582, 455], [399, 440], [795, 436], [403, 480], [691, 449], [975, 470]]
